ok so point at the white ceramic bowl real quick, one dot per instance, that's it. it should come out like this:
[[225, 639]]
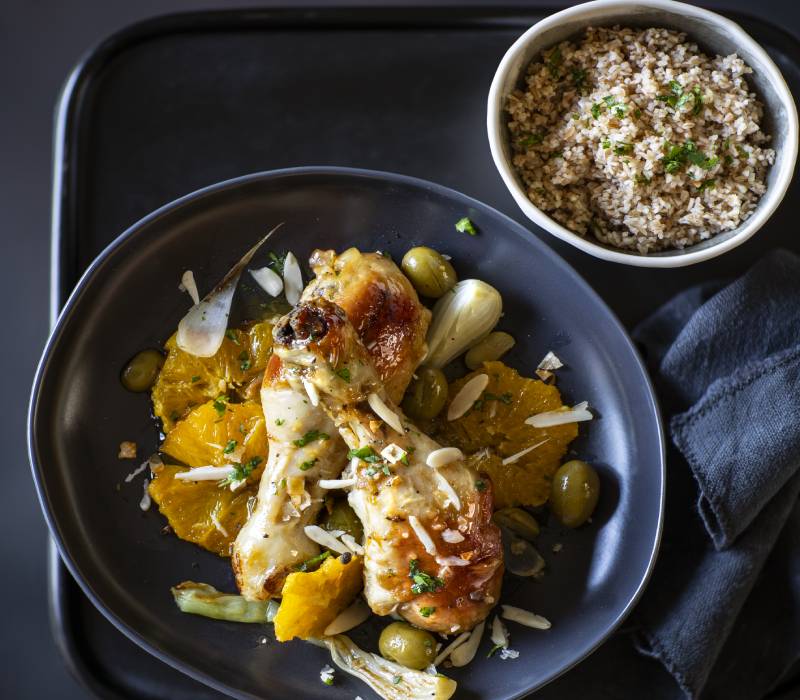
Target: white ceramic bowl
[[714, 35]]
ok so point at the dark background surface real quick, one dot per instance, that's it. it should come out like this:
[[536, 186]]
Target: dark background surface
[[39, 43]]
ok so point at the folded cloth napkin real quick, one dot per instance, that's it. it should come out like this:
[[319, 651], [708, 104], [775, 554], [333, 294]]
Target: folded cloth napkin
[[722, 612]]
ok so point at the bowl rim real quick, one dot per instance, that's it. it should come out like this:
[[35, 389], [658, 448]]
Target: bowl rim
[[34, 433], [764, 209]]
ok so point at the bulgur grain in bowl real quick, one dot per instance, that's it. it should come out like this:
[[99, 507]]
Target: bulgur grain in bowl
[[655, 134]]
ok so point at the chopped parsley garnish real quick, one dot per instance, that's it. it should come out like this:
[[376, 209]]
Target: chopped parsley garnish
[[343, 373], [305, 466], [327, 680], [465, 225], [310, 436], [195, 378], [280, 421], [533, 139], [609, 100], [606, 143], [423, 583], [675, 156], [427, 611], [230, 447], [494, 649], [578, 78], [505, 397], [637, 112], [365, 454], [397, 679], [230, 334], [373, 470], [241, 471], [480, 484], [622, 148], [697, 93], [596, 107], [706, 184], [244, 360], [641, 179], [554, 61], [313, 563], [219, 404], [277, 261], [556, 154]]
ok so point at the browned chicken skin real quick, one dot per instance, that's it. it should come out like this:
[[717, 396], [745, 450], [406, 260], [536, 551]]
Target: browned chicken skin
[[459, 570]]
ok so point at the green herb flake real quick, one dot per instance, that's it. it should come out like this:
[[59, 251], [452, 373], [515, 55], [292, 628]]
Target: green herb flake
[[244, 360], [493, 650], [365, 454], [480, 485], [277, 261], [533, 139], [241, 471], [505, 398], [423, 583], [343, 373], [579, 78], [621, 148], [637, 112], [619, 111], [641, 179], [397, 679], [305, 466], [219, 404], [554, 61], [280, 421], [596, 107], [195, 378], [609, 100], [230, 334], [697, 94], [465, 225], [309, 437], [606, 143], [230, 447], [706, 185], [427, 611]]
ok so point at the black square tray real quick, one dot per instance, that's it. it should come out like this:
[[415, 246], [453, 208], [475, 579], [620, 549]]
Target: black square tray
[[180, 102]]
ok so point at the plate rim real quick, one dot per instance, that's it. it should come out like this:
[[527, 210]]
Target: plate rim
[[85, 280]]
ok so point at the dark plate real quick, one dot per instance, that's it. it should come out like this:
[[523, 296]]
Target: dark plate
[[128, 299]]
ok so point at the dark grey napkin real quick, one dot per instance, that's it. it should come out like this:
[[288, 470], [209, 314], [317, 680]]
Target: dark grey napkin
[[722, 613]]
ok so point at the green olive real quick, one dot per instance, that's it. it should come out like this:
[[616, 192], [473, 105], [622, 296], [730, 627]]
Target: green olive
[[575, 490], [492, 347], [407, 645], [519, 521], [142, 371], [426, 395], [343, 517], [429, 272]]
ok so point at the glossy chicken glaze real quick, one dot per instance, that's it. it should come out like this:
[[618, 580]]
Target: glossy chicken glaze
[[313, 343]]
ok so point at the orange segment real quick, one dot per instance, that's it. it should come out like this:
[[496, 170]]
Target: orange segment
[[203, 437], [185, 381], [311, 601], [497, 422], [193, 507]]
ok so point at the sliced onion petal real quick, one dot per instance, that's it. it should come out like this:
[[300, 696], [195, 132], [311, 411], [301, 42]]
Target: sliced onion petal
[[452, 536], [468, 395], [460, 319], [268, 280], [202, 330], [292, 279]]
